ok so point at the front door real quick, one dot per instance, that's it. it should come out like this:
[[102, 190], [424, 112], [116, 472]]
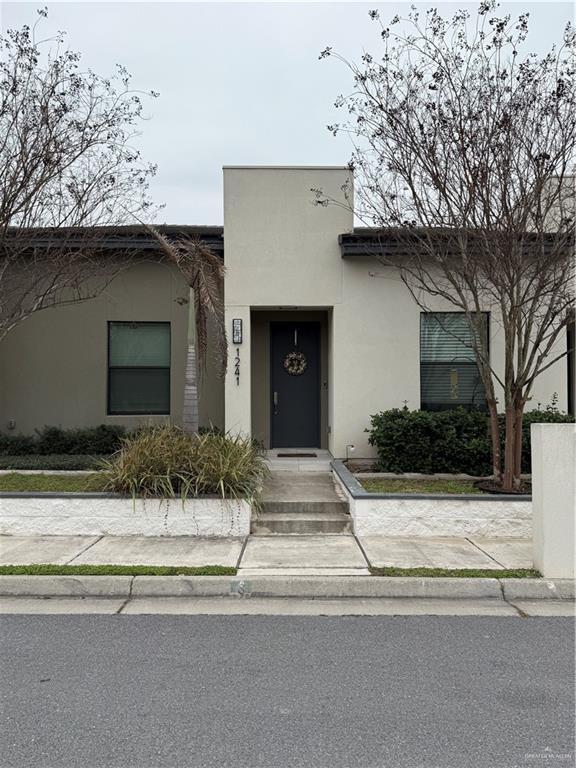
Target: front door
[[295, 384]]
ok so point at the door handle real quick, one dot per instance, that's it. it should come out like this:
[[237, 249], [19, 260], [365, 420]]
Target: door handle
[[275, 401]]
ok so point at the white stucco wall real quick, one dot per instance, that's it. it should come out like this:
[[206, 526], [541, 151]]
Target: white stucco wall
[[282, 252], [554, 499], [428, 516], [441, 517], [102, 516]]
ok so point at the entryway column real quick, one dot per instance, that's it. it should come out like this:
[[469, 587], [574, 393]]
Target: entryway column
[[238, 407], [553, 499]]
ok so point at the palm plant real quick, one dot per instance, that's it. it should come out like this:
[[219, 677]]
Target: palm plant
[[203, 270]]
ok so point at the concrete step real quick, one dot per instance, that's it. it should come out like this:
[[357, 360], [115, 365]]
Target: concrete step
[[301, 522], [303, 507]]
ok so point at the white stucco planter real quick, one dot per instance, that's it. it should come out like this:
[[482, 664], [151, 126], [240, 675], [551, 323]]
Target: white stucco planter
[[415, 515], [93, 515], [441, 517]]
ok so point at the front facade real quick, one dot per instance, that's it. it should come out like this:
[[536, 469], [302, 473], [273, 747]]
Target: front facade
[[321, 335]]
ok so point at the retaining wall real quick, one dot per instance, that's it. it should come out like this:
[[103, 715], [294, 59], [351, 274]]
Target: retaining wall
[[104, 514], [398, 514]]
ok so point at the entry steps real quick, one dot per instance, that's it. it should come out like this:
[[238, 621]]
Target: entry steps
[[301, 503], [299, 521]]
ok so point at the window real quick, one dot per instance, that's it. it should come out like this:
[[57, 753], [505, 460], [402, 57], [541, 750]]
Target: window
[[449, 376], [138, 368]]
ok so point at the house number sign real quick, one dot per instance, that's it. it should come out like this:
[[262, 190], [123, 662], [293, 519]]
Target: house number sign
[[237, 366]]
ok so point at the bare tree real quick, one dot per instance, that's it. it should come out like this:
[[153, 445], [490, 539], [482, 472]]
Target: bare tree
[[68, 167], [464, 153]]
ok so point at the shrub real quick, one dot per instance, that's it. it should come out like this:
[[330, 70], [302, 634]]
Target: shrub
[[165, 462], [425, 441], [16, 445], [444, 441], [52, 461], [102, 440]]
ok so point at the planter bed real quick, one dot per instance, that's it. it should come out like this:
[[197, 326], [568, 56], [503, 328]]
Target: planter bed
[[99, 514], [421, 485], [412, 514]]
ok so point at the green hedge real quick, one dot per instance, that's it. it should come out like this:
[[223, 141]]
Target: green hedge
[[102, 440], [445, 441], [53, 461]]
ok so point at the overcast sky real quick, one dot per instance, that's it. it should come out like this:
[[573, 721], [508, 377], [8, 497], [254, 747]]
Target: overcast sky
[[239, 83]]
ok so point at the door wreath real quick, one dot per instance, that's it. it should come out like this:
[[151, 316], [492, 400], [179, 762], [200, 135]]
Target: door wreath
[[295, 363]]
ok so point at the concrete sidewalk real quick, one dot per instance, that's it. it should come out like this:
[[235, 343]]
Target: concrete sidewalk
[[335, 555]]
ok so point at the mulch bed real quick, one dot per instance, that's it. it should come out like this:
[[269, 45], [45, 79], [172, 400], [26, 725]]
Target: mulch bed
[[489, 486]]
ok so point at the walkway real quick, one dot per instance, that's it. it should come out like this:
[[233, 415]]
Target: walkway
[[336, 554]]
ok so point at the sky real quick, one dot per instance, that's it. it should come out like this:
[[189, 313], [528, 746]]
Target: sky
[[239, 83]]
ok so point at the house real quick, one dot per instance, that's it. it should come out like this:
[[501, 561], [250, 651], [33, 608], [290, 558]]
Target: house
[[321, 335]]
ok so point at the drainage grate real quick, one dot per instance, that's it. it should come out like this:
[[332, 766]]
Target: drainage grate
[[297, 455]]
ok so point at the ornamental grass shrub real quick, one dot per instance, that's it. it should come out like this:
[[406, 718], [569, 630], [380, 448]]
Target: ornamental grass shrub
[[165, 462], [452, 441]]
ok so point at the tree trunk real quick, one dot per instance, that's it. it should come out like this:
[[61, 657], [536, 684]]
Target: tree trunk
[[190, 412], [519, 418], [495, 438], [513, 444], [509, 447]]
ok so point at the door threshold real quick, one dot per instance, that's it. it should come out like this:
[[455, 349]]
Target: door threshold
[[297, 455]]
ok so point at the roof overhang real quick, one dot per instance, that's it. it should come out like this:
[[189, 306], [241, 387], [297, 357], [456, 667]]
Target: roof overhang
[[126, 238], [397, 242]]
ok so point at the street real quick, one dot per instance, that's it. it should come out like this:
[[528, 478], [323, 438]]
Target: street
[[277, 691]]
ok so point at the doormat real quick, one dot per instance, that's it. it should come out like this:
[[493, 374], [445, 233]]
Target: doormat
[[297, 455]]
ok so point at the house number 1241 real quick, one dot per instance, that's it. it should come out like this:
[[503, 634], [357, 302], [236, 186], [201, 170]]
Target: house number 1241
[[237, 366]]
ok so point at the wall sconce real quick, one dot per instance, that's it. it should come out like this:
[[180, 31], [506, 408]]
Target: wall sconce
[[237, 330]]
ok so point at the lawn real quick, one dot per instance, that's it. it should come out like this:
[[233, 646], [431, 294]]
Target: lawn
[[16, 482], [407, 485], [462, 573], [47, 569]]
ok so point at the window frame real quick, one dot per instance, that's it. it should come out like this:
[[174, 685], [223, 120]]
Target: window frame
[[447, 406], [109, 411]]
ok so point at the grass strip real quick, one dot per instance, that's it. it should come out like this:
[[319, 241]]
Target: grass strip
[[17, 482], [397, 485], [46, 569], [459, 573]]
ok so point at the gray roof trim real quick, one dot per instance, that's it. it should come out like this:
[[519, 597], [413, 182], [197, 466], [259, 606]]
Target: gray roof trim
[[133, 236], [285, 168], [392, 241]]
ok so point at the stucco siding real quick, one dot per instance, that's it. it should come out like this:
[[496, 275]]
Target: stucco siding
[[53, 366], [282, 254], [283, 261]]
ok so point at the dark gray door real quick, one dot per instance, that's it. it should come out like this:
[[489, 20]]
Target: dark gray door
[[295, 384]]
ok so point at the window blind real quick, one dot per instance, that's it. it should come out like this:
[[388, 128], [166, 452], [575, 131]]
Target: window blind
[[449, 376]]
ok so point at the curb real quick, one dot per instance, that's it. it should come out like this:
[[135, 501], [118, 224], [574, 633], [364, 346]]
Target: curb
[[538, 589], [286, 586]]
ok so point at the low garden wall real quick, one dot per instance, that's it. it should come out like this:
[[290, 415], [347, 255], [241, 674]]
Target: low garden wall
[[438, 515], [95, 514]]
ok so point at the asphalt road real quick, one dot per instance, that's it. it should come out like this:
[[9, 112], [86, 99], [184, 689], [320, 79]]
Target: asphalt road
[[286, 692]]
